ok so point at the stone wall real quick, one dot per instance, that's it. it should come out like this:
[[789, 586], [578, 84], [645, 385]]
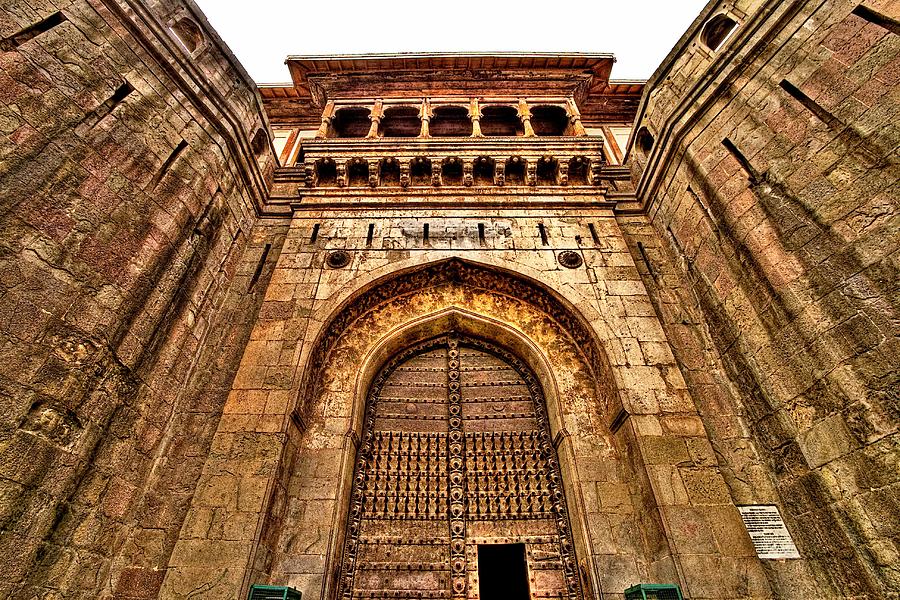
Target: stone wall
[[769, 175], [131, 173], [272, 501]]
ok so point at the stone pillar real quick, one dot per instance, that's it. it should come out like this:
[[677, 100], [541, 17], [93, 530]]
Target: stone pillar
[[574, 118], [327, 118], [435, 171], [404, 173], [375, 116], [525, 115], [341, 170], [468, 180], [531, 171], [374, 174], [562, 172], [475, 115], [425, 114], [499, 171], [309, 173], [596, 170]]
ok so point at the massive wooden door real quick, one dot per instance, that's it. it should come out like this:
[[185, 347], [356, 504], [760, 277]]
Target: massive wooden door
[[456, 452]]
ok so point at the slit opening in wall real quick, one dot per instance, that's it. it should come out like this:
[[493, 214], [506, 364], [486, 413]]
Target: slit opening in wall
[[259, 266], [425, 233], [315, 234], [502, 572], [481, 234], [370, 234], [594, 235], [543, 232]]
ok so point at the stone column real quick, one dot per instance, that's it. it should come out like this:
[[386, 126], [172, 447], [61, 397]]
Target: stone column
[[499, 171], [435, 171], [375, 116], [531, 171], [425, 114], [309, 173], [341, 170], [404, 173], [562, 172], [327, 118], [525, 115], [468, 180], [475, 115], [574, 118]]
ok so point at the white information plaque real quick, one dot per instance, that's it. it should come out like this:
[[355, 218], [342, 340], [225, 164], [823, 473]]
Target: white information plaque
[[767, 531]]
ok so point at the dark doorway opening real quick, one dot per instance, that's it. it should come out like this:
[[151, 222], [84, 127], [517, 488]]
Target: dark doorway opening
[[502, 572]]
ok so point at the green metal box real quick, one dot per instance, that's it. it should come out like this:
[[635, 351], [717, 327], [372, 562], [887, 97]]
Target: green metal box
[[653, 591], [273, 592]]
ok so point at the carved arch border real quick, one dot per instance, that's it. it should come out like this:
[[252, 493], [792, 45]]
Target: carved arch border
[[495, 279]]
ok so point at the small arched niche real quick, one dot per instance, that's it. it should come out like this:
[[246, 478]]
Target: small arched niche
[[515, 171], [578, 171], [483, 170], [326, 173], [401, 121], [351, 122], [358, 173], [717, 30], [450, 121], [549, 120], [390, 172], [644, 141], [188, 34], [452, 171], [420, 171], [259, 142], [546, 171], [501, 121]]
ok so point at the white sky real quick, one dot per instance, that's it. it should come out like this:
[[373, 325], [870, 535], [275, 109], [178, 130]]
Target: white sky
[[262, 33]]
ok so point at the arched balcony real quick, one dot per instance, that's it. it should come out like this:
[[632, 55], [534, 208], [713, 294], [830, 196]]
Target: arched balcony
[[401, 122], [350, 122], [501, 121], [549, 121], [450, 121]]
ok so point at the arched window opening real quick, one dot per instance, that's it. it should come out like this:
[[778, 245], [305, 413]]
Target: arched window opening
[[352, 122], [644, 141], [546, 171], [326, 173], [549, 120], [717, 30], [515, 171], [259, 143], [420, 171], [401, 121], [390, 172], [188, 34], [578, 170], [483, 171], [358, 173], [501, 121], [452, 171], [450, 121]]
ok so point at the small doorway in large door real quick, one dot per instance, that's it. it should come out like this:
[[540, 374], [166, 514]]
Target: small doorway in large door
[[502, 572]]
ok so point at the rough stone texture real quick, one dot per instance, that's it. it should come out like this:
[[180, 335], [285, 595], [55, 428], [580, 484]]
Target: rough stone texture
[[770, 249], [129, 231]]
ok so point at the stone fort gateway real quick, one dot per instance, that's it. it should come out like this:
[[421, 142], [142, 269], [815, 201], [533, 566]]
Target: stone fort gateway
[[468, 326]]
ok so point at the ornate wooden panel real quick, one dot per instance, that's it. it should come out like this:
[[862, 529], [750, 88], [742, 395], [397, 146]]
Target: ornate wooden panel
[[456, 452]]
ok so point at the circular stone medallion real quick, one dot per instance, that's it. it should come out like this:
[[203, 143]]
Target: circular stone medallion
[[570, 259], [337, 259]]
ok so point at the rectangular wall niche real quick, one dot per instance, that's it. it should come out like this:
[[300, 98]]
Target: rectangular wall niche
[[502, 572]]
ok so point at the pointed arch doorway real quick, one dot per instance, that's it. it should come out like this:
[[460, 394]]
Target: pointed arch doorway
[[457, 482]]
